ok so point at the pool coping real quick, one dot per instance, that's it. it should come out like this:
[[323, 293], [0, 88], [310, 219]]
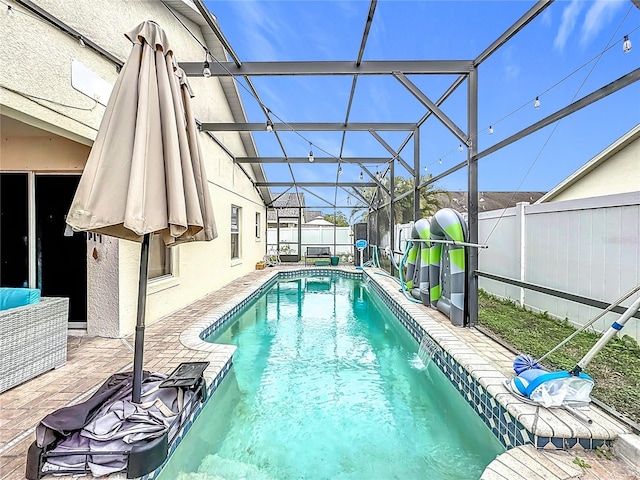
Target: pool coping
[[513, 422], [481, 384]]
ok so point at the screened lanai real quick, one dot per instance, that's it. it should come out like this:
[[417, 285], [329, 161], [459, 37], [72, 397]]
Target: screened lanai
[[349, 178]]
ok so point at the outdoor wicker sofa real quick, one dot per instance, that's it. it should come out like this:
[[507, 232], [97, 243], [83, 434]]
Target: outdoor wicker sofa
[[33, 339]]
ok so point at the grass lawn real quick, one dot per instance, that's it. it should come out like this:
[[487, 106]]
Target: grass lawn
[[616, 369]]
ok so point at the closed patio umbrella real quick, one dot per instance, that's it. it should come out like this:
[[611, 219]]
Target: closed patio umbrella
[[145, 174]]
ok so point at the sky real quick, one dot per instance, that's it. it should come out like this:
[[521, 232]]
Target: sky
[[572, 49]]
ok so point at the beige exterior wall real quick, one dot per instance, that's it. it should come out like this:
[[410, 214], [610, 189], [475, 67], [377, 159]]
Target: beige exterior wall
[[620, 173], [49, 153], [35, 61]]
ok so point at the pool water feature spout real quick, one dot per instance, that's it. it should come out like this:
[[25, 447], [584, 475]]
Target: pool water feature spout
[[427, 349]]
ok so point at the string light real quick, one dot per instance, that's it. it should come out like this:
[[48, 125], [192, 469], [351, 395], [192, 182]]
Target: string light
[[311, 157], [490, 130], [361, 176], [439, 161], [81, 42], [339, 169], [626, 47], [425, 168], [206, 71], [10, 10], [269, 125]]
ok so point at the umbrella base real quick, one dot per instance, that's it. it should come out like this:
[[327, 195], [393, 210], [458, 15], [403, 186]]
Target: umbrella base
[[65, 455]]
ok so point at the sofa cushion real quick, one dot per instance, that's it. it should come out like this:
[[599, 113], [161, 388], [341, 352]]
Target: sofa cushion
[[18, 297]]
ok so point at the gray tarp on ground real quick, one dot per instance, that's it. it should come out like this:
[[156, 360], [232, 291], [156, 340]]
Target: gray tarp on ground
[[108, 422]]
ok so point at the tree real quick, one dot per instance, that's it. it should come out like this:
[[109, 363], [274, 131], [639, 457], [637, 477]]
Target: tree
[[430, 199], [340, 219]]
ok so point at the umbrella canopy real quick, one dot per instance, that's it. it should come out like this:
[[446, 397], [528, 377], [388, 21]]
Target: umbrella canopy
[[145, 174]]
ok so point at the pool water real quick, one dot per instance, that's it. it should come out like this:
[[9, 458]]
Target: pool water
[[327, 384]]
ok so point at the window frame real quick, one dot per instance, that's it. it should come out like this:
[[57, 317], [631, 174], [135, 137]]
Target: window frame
[[236, 211], [167, 270]]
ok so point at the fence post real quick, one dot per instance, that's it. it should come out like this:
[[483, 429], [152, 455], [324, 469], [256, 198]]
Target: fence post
[[522, 244]]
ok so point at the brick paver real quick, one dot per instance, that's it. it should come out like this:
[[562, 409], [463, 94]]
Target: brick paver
[[90, 360]]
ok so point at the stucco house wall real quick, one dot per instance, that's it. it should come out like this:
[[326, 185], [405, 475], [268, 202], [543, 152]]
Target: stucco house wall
[[35, 61], [614, 170]]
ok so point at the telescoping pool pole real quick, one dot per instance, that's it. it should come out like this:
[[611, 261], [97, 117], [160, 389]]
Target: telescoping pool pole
[[613, 329], [447, 242]]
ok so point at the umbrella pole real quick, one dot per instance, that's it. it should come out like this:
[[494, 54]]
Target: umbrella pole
[[142, 303]]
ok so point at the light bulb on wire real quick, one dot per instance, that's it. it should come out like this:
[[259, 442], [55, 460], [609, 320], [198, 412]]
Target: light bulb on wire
[[439, 161], [536, 104], [206, 71], [269, 125], [81, 42], [490, 130], [460, 147], [10, 10], [311, 157], [626, 44], [339, 169], [361, 176]]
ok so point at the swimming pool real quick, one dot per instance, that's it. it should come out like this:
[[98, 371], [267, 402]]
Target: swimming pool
[[326, 384]]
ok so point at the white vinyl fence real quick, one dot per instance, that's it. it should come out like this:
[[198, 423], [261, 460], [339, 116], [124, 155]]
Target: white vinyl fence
[[588, 247], [315, 236]]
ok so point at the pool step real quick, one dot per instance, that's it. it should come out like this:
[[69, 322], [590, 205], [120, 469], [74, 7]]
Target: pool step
[[525, 462]]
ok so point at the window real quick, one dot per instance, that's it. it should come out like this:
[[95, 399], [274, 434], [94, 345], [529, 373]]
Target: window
[[257, 224], [160, 259], [235, 232]]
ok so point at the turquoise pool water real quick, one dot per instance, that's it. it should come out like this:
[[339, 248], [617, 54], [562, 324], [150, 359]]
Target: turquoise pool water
[[327, 384]]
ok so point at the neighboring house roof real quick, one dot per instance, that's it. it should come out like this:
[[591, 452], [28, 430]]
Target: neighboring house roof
[[311, 214], [287, 206], [629, 137], [488, 200], [229, 87], [319, 220]]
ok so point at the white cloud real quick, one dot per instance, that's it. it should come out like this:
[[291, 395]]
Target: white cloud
[[599, 14], [546, 18], [511, 71], [569, 17], [263, 33], [511, 68]]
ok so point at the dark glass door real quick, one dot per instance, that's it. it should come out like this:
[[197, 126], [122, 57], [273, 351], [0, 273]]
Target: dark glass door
[[14, 230], [61, 260]]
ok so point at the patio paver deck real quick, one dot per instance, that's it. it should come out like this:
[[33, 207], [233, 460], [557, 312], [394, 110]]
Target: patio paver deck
[[91, 360]]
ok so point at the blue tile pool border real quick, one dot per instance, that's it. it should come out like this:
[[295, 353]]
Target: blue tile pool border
[[508, 430], [195, 413], [220, 323]]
